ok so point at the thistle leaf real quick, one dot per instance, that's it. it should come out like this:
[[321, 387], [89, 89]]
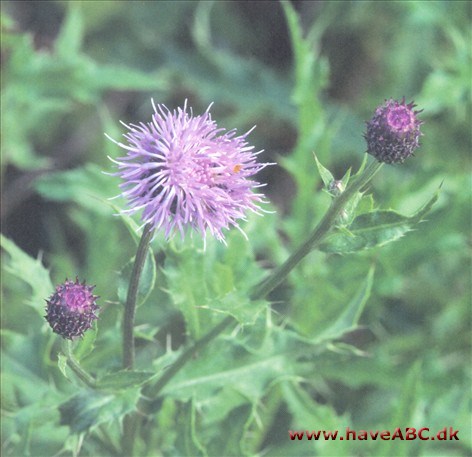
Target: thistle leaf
[[88, 409], [374, 229], [124, 380]]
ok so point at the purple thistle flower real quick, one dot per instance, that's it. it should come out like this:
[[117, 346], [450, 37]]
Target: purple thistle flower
[[71, 309], [393, 132], [183, 171]]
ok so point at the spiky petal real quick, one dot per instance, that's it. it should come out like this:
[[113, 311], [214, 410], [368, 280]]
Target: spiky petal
[[71, 309], [184, 172], [393, 132]]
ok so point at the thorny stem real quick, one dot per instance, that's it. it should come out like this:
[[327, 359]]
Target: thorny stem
[[267, 285]]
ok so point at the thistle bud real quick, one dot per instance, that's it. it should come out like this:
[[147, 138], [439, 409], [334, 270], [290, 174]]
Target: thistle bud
[[393, 132], [70, 310]]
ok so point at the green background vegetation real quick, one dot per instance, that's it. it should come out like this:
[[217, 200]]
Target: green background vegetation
[[308, 77]]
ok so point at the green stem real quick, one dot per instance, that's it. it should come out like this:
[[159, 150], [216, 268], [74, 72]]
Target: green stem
[[130, 307], [76, 368], [131, 421], [267, 285], [319, 233], [154, 390]]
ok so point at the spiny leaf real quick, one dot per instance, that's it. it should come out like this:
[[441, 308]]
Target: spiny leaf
[[250, 378], [374, 229], [238, 305]]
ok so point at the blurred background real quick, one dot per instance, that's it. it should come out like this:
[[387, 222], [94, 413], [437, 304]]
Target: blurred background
[[71, 70]]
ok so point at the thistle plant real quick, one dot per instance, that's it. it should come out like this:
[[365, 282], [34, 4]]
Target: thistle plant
[[184, 174], [254, 282]]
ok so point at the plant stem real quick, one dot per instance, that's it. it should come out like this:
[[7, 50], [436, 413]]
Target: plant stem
[[267, 285], [321, 230], [153, 391], [131, 421], [130, 307], [76, 368]]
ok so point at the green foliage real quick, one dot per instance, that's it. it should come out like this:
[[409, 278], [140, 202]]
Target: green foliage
[[89, 409], [146, 284], [29, 270], [375, 228], [216, 280], [331, 347], [122, 380], [87, 186]]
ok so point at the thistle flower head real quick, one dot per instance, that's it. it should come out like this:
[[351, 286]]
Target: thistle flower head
[[70, 310], [184, 172], [393, 132]]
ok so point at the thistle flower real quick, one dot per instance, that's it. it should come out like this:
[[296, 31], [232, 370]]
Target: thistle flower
[[393, 132], [184, 172], [71, 309]]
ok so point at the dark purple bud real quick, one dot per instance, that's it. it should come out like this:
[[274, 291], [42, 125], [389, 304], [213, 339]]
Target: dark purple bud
[[393, 132], [70, 310]]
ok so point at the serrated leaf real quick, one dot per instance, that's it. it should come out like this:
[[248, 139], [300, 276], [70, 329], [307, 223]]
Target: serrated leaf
[[374, 229], [248, 375], [351, 314], [88, 409], [325, 174], [124, 380], [31, 271]]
